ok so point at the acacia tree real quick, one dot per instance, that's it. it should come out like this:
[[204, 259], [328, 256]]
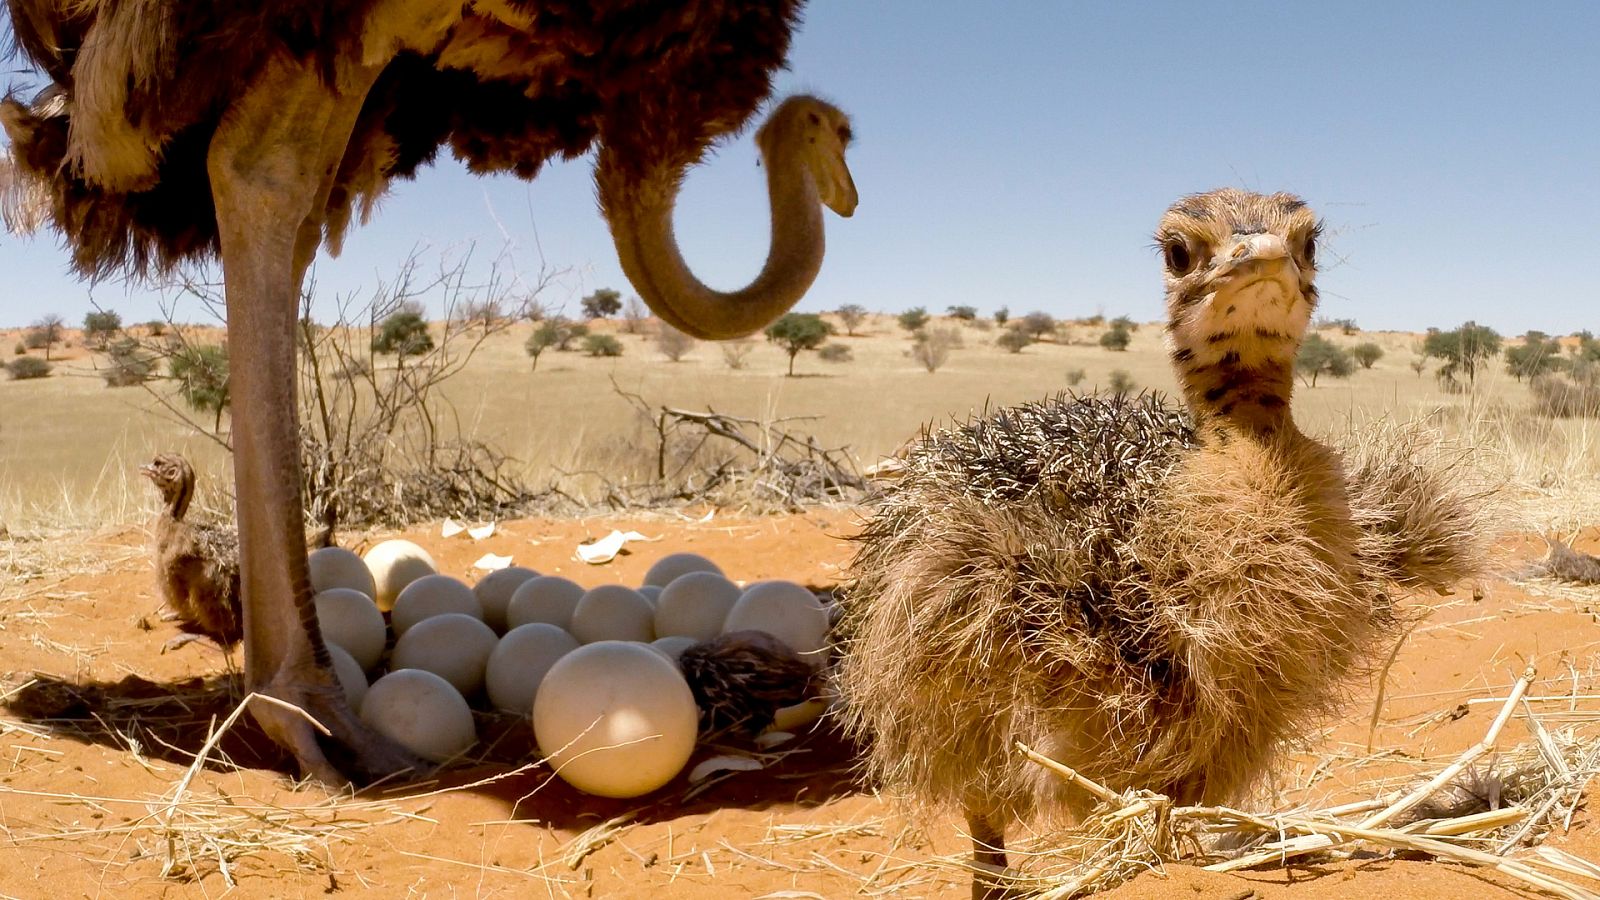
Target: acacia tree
[[1366, 354], [45, 332], [100, 326], [798, 331], [202, 375], [602, 303], [852, 315], [1320, 356], [1463, 350], [1538, 354]]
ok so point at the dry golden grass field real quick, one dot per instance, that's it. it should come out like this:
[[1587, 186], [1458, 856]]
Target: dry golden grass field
[[69, 446], [110, 784]]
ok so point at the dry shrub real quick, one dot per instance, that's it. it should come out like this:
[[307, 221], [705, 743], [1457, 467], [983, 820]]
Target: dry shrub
[[1569, 396], [737, 353]]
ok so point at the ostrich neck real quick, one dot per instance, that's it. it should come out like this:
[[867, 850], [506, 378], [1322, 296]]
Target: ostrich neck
[[178, 505], [641, 222], [1237, 393]]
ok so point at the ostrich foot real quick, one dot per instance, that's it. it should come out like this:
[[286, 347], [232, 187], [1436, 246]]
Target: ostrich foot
[[988, 857], [182, 640], [336, 748]]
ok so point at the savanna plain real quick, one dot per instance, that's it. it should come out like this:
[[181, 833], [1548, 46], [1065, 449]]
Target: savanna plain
[[121, 772]]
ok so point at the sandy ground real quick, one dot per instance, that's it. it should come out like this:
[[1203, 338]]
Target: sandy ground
[[100, 728]]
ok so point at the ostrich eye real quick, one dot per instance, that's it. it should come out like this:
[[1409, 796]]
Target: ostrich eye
[[1311, 249], [1178, 260]]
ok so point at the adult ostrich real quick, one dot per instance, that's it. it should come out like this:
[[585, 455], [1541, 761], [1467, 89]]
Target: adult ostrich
[[177, 130]]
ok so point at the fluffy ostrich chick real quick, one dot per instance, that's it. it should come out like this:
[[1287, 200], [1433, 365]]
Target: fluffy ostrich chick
[[1157, 597], [197, 565]]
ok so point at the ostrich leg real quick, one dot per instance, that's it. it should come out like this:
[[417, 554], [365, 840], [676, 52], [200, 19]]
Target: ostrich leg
[[272, 164], [989, 853]]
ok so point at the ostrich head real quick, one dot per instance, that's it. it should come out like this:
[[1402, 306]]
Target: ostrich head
[[819, 133], [1240, 272], [173, 478]]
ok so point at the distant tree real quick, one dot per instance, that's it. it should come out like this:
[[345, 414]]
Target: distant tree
[[45, 333], [835, 353], [602, 303], [932, 347], [1536, 355], [1038, 324], [1588, 348], [156, 327], [1002, 315], [1117, 337], [672, 343], [1419, 366], [1013, 339], [634, 314], [737, 353], [1366, 354], [26, 367], [1463, 350], [851, 315], [914, 318], [1345, 326], [1125, 323], [798, 331], [100, 326], [404, 333], [201, 371], [964, 313], [1075, 376], [545, 335], [485, 313], [1319, 356], [20, 349], [1121, 382], [129, 364], [571, 331], [602, 345]]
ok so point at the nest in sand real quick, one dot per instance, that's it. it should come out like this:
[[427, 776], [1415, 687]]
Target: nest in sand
[[1080, 576]]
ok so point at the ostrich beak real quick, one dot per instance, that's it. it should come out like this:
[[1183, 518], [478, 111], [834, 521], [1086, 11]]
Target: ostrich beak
[[1248, 249], [148, 470], [838, 189]]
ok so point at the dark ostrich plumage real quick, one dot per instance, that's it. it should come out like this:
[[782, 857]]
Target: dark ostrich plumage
[[742, 678], [666, 77]]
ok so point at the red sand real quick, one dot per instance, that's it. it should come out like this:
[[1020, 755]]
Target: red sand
[[79, 809]]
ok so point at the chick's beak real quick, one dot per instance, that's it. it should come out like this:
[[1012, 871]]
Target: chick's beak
[[1247, 249], [148, 470]]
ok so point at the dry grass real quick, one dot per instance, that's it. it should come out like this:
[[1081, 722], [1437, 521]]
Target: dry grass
[[69, 445]]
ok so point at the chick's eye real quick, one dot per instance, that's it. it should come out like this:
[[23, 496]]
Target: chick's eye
[[1178, 260], [1311, 250]]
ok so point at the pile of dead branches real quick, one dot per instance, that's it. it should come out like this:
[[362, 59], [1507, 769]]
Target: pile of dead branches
[[728, 460]]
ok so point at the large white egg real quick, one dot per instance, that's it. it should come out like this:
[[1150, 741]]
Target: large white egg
[[350, 620], [351, 677], [336, 567], [519, 663], [548, 598], [786, 611], [612, 612], [673, 646], [494, 592], [395, 564], [695, 605], [454, 646], [674, 565], [432, 595], [615, 719], [421, 712]]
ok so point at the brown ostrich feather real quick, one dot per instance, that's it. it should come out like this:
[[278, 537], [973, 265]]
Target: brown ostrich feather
[[197, 564], [512, 85], [1073, 575], [740, 679]]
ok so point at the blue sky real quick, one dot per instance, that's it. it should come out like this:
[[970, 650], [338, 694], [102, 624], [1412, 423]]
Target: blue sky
[[1020, 153]]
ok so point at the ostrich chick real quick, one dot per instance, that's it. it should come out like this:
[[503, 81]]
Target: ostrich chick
[[1156, 597], [197, 565]]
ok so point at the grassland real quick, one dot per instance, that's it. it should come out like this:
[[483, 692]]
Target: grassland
[[69, 446]]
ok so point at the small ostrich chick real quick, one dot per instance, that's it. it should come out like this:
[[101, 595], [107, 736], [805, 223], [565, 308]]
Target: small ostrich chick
[[1156, 597], [197, 565], [742, 678]]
